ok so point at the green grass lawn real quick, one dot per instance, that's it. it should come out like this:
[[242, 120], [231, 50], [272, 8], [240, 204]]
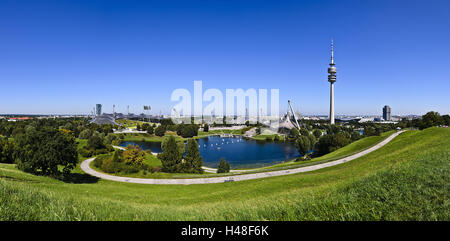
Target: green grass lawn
[[407, 179], [264, 137]]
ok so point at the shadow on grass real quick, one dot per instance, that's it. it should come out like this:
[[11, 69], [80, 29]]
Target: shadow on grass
[[79, 178]]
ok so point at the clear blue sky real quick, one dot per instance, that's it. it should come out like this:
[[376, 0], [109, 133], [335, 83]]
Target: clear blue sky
[[66, 56]]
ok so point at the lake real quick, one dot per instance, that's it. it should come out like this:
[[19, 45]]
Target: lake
[[238, 151]]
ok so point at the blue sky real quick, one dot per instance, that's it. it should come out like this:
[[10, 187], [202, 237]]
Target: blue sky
[[61, 56]]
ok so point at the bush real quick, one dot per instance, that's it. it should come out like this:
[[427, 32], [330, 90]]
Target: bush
[[109, 166], [133, 155], [303, 158], [129, 169], [155, 169]]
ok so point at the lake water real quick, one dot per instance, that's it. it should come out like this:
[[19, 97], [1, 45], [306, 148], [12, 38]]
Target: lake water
[[239, 152]]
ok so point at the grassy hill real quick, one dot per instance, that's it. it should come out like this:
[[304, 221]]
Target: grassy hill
[[408, 179]]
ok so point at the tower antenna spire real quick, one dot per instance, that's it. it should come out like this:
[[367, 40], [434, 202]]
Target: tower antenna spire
[[332, 51]]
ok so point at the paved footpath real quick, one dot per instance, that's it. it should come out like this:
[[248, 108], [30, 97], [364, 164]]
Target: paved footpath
[[86, 168]]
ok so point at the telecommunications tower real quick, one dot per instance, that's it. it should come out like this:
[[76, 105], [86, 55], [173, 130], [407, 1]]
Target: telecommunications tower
[[332, 79]]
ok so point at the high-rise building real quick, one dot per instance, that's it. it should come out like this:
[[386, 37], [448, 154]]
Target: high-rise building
[[332, 79], [387, 113], [98, 109]]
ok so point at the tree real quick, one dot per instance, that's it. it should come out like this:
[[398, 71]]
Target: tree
[[446, 120], [276, 138], [7, 149], [355, 136], [258, 130], [430, 119], [41, 152], [304, 132], [188, 131], [180, 145], [180, 129], [224, 166], [165, 122], [110, 138], [317, 133], [96, 142], [330, 143], [138, 127], [192, 160], [85, 134], [170, 156], [312, 139], [206, 128], [294, 133], [160, 130], [303, 145], [369, 131], [150, 130]]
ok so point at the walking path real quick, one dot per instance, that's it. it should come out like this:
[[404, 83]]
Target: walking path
[[86, 168]]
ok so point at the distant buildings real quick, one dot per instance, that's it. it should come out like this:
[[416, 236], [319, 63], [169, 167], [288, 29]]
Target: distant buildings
[[387, 113], [98, 109], [104, 119]]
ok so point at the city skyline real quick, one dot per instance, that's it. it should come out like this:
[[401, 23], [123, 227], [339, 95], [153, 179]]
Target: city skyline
[[137, 54]]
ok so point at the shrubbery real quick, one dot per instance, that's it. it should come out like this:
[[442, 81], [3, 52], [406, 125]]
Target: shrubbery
[[127, 162]]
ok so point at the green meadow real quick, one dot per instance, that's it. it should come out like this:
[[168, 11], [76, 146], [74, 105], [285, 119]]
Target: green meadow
[[407, 179]]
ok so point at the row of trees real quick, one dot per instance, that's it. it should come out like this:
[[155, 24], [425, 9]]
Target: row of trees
[[174, 160], [432, 118]]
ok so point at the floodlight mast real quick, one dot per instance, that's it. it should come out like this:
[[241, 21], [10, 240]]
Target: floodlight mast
[[295, 118]]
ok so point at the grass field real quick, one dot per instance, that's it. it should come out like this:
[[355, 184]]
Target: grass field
[[407, 179]]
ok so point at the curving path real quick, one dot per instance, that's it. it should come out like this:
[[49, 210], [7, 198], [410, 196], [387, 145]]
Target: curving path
[[86, 168]]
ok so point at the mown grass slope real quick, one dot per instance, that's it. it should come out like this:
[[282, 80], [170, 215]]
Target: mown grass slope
[[408, 179]]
